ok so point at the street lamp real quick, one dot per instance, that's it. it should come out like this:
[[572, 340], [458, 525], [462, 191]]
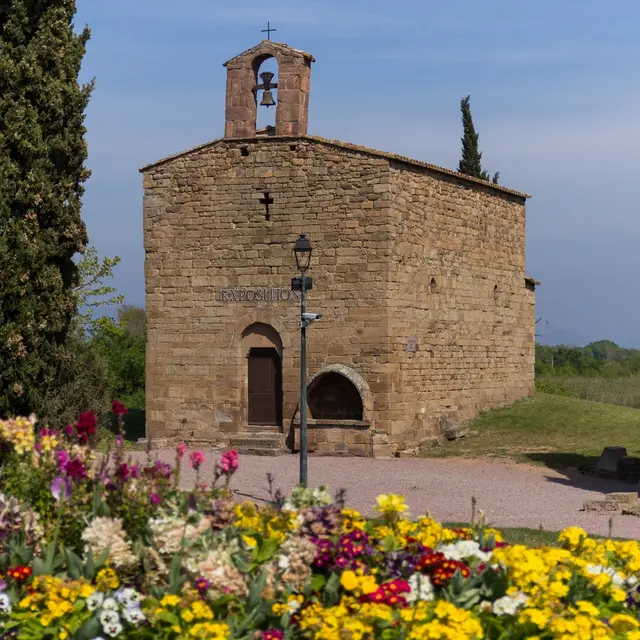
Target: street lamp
[[302, 251]]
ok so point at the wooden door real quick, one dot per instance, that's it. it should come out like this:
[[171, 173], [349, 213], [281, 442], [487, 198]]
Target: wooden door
[[265, 387]]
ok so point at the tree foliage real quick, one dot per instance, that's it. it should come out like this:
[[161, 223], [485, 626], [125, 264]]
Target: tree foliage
[[122, 347], [42, 172], [601, 358], [471, 160], [91, 291]]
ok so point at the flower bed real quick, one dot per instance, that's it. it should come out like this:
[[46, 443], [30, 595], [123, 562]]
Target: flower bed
[[96, 547]]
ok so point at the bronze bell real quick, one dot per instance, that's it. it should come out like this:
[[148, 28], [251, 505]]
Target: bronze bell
[[267, 99]]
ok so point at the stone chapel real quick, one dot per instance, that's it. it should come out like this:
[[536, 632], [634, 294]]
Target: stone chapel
[[419, 272]]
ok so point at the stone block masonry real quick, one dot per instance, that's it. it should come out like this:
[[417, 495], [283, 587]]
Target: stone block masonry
[[428, 316]]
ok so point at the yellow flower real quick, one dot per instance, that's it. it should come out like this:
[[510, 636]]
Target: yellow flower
[[588, 608], [558, 589], [535, 616], [107, 580], [187, 615], [391, 503], [349, 580], [572, 537], [201, 610], [169, 601], [210, 631], [249, 541]]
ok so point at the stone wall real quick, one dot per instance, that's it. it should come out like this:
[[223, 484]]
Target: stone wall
[[400, 251], [456, 285], [205, 230]]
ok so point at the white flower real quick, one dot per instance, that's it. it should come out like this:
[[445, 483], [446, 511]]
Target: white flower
[[5, 603], [109, 617], [113, 629], [509, 605], [283, 562], [596, 569], [421, 588], [110, 605], [464, 549], [632, 581], [107, 534], [95, 600], [293, 606], [134, 615], [127, 597]]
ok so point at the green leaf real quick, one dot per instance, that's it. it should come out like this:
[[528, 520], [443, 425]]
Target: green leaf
[[255, 591], [74, 565], [89, 630], [318, 582], [169, 617], [175, 579], [331, 589], [265, 550]]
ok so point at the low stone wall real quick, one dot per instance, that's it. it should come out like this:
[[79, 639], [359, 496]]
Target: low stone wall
[[345, 437]]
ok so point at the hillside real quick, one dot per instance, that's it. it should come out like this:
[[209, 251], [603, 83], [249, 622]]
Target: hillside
[[554, 430]]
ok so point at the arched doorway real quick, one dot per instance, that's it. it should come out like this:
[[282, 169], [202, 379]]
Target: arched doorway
[[263, 351], [332, 396]]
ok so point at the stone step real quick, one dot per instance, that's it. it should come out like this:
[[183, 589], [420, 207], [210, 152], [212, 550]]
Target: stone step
[[259, 443], [259, 451]]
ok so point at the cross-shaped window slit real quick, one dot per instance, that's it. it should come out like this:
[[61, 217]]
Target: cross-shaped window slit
[[266, 201]]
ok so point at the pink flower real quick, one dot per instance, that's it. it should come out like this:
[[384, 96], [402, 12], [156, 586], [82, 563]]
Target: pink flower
[[197, 459], [63, 459], [181, 449], [229, 462], [118, 408], [155, 498]]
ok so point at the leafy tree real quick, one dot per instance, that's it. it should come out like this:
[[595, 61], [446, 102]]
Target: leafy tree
[[123, 347], [91, 292], [471, 161], [42, 172], [133, 319]]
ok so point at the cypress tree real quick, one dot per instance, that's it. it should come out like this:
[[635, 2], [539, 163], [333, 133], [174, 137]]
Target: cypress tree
[[42, 157], [471, 161]]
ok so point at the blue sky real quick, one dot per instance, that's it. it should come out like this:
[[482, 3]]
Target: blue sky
[[554, 95]]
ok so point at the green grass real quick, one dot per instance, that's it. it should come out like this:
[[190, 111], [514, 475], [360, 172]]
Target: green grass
[[520, 535], [623, 391], [553, 430]]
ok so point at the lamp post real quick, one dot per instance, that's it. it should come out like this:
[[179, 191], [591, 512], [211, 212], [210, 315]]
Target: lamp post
[[302, 252]]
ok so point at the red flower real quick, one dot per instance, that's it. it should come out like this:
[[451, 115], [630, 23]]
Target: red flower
[[447, 570], [86, 426], [19, 573], [430, 560], [118, 409], [75, 469]]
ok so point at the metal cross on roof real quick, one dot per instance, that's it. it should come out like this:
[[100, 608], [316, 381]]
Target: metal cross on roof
[[268, 30]]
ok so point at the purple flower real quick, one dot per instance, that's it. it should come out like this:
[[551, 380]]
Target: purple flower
[[155, 498], [61, 488], [134, 471], [63, 460], [119, 441]]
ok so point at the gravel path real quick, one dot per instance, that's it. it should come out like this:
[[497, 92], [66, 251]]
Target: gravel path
[[512, 495]]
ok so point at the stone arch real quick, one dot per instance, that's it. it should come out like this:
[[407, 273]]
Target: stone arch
[[340, 378], [294, 73], [260, 335], [266, 119], [260, 317]]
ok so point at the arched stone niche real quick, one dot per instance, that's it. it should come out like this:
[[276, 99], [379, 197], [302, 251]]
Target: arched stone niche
[[261, 336], [341, 378]]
